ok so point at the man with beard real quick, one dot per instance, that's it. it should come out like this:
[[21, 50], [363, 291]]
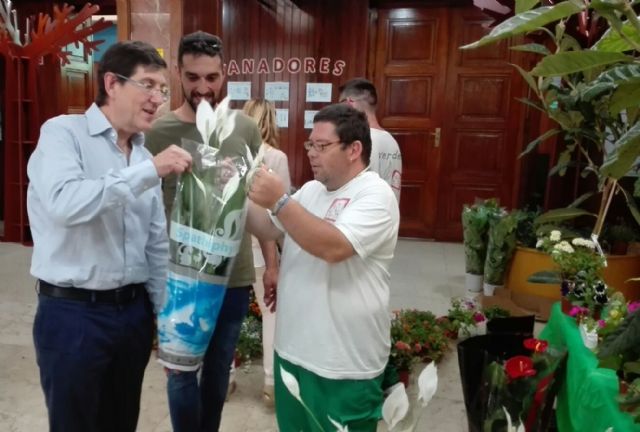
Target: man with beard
[[193, 405]]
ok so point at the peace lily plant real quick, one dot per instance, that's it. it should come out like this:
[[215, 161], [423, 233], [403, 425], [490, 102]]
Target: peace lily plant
[[396, 407], [592, 93]]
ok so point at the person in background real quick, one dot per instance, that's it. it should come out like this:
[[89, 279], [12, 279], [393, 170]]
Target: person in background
[[265, 253], [386, 159], [333, 326], [100, 249], [196, 404]]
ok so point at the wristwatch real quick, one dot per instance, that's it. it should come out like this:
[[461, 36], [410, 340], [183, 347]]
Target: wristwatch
[[280, 203]]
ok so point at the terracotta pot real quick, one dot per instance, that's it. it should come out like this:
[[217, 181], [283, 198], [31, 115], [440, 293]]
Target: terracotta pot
[[527, 261]]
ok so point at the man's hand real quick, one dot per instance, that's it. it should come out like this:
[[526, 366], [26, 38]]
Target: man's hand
[[270, 282], [173, 159], [266, 188]]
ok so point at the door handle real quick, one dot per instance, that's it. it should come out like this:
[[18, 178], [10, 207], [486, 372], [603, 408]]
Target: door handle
[[436, 137]]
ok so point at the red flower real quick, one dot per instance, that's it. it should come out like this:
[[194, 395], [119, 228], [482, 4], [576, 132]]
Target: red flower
[[417, 347], [536, 345], [478, 317], [519, 366], [402, 346]]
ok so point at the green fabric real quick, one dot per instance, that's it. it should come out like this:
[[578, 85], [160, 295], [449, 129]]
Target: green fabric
[[587, 399], [168, 130], [356, 404]]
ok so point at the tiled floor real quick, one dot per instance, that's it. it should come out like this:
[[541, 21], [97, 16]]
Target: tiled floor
[[424, 275]]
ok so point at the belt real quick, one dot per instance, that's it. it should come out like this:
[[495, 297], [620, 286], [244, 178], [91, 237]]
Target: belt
[[120, 295]]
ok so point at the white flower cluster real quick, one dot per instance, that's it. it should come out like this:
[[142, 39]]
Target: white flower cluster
[[584, 242], [563, 246], [555, 236]]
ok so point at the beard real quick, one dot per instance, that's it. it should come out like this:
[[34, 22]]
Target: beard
[[192, 99]]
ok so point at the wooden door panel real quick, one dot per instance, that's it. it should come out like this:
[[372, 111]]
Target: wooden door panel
[[410, 66], [417, 182], [482, 129]]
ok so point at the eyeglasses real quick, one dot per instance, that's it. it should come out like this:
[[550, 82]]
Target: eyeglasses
[[308, 145], [148, 87]]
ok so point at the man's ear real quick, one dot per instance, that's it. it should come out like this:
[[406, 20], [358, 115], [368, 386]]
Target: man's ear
[[110, 81], [356, 150]]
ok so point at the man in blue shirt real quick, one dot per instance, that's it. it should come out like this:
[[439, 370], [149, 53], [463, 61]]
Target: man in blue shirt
[[100, 245]]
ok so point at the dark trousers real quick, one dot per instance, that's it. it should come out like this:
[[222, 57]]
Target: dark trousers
[[92, 358], [194, 406]]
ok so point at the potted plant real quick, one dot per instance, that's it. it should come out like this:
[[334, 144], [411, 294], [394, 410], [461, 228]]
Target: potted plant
[[590, 89], [416, 336]]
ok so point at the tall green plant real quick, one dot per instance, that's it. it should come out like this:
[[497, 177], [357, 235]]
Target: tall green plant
[[593, 94]]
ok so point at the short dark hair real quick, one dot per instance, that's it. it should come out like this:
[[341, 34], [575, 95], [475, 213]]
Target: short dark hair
[[123, 58], [199, 43], [360, 88], [351, 125]]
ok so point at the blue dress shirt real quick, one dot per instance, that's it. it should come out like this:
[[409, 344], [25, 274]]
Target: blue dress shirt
[[97, 220]]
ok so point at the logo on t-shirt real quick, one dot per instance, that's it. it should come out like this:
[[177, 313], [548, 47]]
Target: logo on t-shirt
[[396, 179], [336, 208]]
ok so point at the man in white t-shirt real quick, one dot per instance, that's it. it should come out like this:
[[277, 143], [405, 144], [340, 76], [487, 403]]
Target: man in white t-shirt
[[333, 328], [386, 159]]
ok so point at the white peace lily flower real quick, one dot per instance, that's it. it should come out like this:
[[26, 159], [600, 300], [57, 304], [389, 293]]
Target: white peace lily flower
[[291, 383], [555, 235], [230, 188], [510, 427], [427, 383], [226, 125], [395, 406], [339, 427], [205, 121], [539, 243]]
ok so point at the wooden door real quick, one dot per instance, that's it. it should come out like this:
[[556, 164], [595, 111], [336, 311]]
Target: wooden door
[[452, 112], [482, 128], [410, 67]]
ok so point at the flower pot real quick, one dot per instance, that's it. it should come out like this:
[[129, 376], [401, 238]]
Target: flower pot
[[489, 289], [473, 282], [527, 261]]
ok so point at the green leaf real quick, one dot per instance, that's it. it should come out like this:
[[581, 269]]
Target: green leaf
[[533, 144], [628, 73], [625, 96], [563, 162], [561, 214], [624, 340], [627, 150], [631, 203], [528, 78], [545, 277], [525, 5], [532, 104], [596, 90], [532, 48], [528, 21], [636, 188], [612, 41], [582, 198], [565, 63]]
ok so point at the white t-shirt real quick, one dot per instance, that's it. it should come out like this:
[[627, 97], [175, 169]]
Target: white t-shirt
[[333, 319], [386, 159]]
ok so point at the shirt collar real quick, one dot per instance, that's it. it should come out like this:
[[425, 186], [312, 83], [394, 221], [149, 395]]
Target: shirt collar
[[98, 124]]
